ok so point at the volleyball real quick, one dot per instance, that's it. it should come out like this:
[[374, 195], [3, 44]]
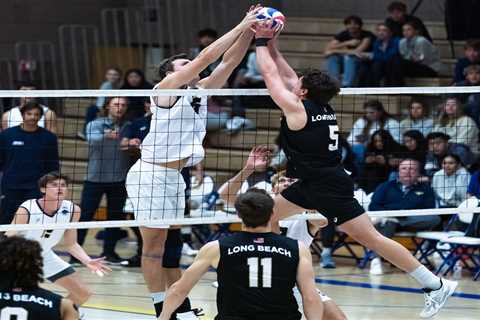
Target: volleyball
[[273, 14]]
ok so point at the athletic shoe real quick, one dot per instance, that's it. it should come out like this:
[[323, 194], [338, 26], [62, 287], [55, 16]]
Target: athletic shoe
[[327, 261], [188, 251], [215, 284], [376, 267], [434, 300], [193, 314], [114, 259], [134, 262]]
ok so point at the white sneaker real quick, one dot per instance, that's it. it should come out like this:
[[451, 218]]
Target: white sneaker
[[215, 284], [188, 251], [190, 315], [376, 267], [434, 300]]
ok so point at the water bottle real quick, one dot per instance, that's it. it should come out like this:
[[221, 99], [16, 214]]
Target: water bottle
[[457, 270]]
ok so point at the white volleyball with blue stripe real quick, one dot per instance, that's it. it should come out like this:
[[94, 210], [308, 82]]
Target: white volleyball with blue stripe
[[273, 14]]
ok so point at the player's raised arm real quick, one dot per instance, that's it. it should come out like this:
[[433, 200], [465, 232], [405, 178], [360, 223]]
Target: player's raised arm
[[207, 256], [208, 55], [287, 100], [289, 76], [258, 158], [312, 304]]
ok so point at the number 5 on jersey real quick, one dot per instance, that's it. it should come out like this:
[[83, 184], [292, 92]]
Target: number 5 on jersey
[[333, 136], [253, 271]]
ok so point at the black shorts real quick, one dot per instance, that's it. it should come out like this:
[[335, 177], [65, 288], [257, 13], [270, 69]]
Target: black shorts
[[331, 195]]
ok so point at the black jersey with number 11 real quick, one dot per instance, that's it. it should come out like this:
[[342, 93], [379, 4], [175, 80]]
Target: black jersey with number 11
[[314, 147], [256, 275]]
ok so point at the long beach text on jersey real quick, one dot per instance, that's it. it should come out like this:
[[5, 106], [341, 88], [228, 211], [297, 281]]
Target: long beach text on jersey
[[320, 117], [22, 297], [259, 248]]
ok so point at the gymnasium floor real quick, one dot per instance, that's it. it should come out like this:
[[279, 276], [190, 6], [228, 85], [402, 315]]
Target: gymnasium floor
[[123, 294]]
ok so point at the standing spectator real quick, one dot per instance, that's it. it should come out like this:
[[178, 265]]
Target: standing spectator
[[417, 119], [375, 118], [398, 17], [382, 158], [106, 173], [205, 37], [461, 128], [135, 80], [343, 51], [450, 184], [385, 49], [472, 101], [27, 152], [406, 193], [13, 117], [415, 147], [472, 56], [419, 57], [112, 81], [439, 146]]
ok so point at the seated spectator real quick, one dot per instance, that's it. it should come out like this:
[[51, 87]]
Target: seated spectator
[[375, 69], [398, 16], [439, 146], [382, 158], [106, 172], [472, 56], [473, 189], [375, 118], [135, 80], [342, 52], [419, 57], [472, 100], [112, 81], [27, 152], [205, 37], [415, 147], [459, 127], [417, 119], [14, 117], [450, 184], [406, 193]]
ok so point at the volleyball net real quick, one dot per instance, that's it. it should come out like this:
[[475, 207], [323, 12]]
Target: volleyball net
[[96, 149]]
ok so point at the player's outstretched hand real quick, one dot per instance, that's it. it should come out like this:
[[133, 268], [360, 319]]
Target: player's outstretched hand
[[258, 158], [250, 18], [98, 266], [263, 29]]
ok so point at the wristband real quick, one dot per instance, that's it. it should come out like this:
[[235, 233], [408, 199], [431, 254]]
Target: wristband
[[261, 42]]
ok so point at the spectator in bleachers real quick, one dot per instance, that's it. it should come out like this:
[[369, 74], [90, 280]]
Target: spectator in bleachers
[[405, 193], [439, 146], [135, 80], [205, 37], [398, 17], [417, 119], [381, 159], [419, 57], [113, 77], [106, 172], [375, 118], [375, 68], [344, 50], [461, 128], [415, 146], [450, 183], [13, 117], [473, 189], [472, 100], [472, 56], [27, 152]]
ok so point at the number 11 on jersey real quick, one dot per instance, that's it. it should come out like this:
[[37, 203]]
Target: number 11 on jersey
[[253, 271]]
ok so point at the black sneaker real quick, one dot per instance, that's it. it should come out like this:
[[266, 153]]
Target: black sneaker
[[135, 261], [114, 259]]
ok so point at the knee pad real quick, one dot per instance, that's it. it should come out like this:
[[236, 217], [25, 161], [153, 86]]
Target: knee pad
[[173, 249]]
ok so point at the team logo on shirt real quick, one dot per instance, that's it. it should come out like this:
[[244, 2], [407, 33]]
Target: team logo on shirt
[[64, 211], [259, 240]]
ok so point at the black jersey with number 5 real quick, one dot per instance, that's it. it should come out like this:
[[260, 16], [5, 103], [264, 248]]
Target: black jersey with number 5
[[256, 275], [314, 147], [35, 304]]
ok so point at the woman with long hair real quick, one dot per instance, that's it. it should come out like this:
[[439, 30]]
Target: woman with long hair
[[453, 122], [416, 146], [450, 184], [417, 119], [135, 80]]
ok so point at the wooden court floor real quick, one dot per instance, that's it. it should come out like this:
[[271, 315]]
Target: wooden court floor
[[123, 294]]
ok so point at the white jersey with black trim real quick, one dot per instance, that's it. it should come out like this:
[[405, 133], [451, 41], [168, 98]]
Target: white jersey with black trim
[[177, 132], [47, 238], [298, 230]]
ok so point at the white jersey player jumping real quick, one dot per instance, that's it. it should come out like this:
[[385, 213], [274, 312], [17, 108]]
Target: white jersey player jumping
[[53, 208], [301, 230]]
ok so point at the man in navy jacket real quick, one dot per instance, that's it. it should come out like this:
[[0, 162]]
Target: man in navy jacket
[[27, 152]]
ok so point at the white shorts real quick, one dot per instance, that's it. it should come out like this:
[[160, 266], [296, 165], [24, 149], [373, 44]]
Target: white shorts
[[55, 267], [156, 192]]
